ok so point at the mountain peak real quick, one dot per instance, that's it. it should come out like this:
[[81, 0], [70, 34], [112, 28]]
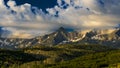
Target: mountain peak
[[118, 32], [118, 26], [65, 29], [61, 29]]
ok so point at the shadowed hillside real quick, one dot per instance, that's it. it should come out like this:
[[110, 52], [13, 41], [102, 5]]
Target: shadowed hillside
[[56, 56]]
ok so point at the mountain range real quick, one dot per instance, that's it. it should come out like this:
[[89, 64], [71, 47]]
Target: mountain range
[[108, 37]]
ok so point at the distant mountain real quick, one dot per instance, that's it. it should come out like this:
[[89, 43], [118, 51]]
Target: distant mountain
[[110, 37], [118, 33], [3, 32]]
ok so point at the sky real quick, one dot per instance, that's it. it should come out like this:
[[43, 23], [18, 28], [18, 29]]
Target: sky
[[30, 18]]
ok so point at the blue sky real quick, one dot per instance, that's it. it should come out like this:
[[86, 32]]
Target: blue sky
[[28, 18], [41, 4]]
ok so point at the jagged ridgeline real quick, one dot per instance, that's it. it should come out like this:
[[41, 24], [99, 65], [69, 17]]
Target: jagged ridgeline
[[109, 37]]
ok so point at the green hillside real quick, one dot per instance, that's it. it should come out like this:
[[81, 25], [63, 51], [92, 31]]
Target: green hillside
[[61, 56], [109, 59]]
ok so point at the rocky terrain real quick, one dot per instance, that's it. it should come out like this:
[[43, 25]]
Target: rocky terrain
[[110, 37]]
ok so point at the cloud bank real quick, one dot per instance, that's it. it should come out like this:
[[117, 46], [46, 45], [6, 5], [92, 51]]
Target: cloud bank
[[21, 22]]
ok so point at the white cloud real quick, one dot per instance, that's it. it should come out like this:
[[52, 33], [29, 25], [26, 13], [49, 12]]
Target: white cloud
[[88, 14]]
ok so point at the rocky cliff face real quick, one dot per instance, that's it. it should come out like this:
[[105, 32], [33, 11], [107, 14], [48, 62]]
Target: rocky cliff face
[[62, 36]]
